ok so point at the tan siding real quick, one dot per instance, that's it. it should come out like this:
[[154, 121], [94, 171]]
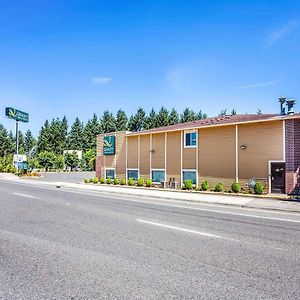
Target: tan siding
[[189, 158], [145, 156], [99, 151], [132, 152], [217, 152], [264, 142], [120, 154], [174, 156], [158, 156]]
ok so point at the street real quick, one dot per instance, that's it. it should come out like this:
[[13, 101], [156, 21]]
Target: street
[[68, 244]]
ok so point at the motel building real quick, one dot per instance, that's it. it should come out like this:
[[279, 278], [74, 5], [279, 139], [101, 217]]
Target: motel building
[[242, 148]]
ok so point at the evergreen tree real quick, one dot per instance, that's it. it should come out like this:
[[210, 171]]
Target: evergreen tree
[[162, 117], [21, 143], [121, 120], [233, 112], [64, 133], [5, 142], [201, 115], [75, 137], [223, 112], [137, 122], [43, 143], [173, 117], [108, 122], [151, 120], [29, 141], [188, 115], [91, 129]]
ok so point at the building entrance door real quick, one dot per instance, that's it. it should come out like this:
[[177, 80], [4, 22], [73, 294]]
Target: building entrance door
[[278, 177]]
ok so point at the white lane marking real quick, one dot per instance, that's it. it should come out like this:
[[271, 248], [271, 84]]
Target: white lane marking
[[203, 233], [25, 196], [186, 230], [187, 207]]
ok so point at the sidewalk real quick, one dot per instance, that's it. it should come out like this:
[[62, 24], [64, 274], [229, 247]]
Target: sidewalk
[[201, 197]]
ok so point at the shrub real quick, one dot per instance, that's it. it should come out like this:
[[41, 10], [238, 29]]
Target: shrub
[[91, 180], [116, 181], [102, 180], [108, 180], [86, 180], [205, 185], [123, 181], [130, 182], [96, 180], [188, 184], [258, 188], [236, 187], [149, 182], [140, 182], [219, 187]]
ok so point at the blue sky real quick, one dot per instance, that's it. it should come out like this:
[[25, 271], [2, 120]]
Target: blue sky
[[75, 58]]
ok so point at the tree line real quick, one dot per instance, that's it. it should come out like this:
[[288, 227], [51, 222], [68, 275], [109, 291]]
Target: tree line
[[55, 136]]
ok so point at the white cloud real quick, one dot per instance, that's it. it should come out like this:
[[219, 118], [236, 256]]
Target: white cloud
[[101, 80], [256, 85], [283, 31]]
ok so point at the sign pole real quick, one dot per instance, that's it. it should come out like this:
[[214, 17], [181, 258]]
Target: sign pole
[[17, 143]]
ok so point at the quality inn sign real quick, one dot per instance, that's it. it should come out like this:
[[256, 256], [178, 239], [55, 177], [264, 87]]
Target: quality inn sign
[[16, 114], [109, 145]]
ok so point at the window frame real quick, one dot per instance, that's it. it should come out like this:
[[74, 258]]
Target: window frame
[[160, 170], [189, 170], [132, 169], [190, 132], [110, 169]]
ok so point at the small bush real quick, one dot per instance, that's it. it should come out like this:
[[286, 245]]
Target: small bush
[[148, 182], [91, 180], [130, 182], [102, 180], [116, 181], [86, 180], [140, 182], [123, 181], [96, 180], [205, 185], [108, 180], [258, 188], [188, 184], [236, 187], [219, 187]]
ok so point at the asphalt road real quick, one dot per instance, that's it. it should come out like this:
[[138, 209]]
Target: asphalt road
[[66, 244]]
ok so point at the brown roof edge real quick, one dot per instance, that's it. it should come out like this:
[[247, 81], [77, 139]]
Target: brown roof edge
[[218, 121]]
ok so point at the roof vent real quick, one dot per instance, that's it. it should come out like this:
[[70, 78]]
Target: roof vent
[[282, 101], [290, 104]]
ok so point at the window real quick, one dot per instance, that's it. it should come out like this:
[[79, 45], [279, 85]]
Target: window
[[133, 173], [158, 176], [190, 139], [110, 173], [189, 174]]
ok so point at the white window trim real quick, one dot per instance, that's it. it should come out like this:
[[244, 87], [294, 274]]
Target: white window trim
[[158, 170], [132, 169], [109, 169], [190, 131], [190, 170]]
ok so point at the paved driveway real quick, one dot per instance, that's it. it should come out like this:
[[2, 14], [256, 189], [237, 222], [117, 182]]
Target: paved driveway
[[73, 177]]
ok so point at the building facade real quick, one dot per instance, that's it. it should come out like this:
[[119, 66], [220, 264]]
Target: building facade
[[240, 148]]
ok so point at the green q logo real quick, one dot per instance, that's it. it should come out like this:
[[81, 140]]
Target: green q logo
[[12, 113], [107, 142]]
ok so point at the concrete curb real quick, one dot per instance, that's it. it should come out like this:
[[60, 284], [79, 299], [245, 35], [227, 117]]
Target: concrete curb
[[132, 191]]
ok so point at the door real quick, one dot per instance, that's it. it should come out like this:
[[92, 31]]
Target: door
[[278, 177]]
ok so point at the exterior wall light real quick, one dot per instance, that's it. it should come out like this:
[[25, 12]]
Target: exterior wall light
[[243, 147], [152, 151]]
